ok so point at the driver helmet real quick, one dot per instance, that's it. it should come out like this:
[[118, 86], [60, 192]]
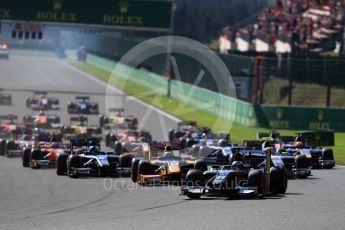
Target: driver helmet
[[237, 164], [299, 144], [222, 143], [93, 150], [41, 112], [168, 148]]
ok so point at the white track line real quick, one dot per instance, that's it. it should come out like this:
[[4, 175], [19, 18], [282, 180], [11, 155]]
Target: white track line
[[93, 78]]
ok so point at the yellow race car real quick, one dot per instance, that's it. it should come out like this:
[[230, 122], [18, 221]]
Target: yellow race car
[[167, 167]]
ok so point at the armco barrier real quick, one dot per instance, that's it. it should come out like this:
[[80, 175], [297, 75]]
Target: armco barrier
[[228, 108]]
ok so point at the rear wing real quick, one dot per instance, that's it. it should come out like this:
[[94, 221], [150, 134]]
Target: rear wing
[[287, 139], [186, 123], [8, 117], [252, 144], [82, 98], [78, 119], [117, 110], [38, 92], [85, 142]]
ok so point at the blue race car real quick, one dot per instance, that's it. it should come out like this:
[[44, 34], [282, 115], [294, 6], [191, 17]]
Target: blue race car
[[82, 105]]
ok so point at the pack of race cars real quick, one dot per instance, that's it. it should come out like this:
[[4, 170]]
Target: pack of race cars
[[202, 162]]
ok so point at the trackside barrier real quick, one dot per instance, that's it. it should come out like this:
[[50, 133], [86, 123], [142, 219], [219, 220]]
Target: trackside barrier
[[227, 108]]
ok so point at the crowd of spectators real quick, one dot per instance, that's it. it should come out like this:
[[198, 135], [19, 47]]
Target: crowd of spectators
[[302, 23]]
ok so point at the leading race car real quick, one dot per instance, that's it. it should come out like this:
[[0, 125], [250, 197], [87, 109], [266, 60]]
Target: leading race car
[[40, 101], [169, 167], [82, 105], [86, 159], [238, 178], [4, 53], [42, 120], [5, 98]]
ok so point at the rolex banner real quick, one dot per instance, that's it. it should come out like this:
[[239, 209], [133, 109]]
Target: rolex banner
[[119, 13]]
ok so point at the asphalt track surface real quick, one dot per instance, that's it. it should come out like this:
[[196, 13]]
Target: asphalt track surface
[[39, 199]]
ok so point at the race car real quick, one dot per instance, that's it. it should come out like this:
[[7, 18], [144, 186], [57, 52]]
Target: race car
[[316, 157], [86, 159], [252, 153], [82, 105], [5, 98], [80, 129], [238, 179], [40, 101], [188, 134], [124, 140], [10, 127], [10, 148], [32, 151], [117, 118], [168, 167], [42, 120], [46, 154], [4, 51]]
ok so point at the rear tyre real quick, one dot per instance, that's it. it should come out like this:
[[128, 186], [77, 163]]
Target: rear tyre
[[36, 154], [194, 178], [327, 154], [73, 162], [256, 179], [145, 168], [171, 135], [126, 161], [278, 180], [2, 147], [200, 165], [134, 167], [61, 164], [183, 143], [118, 147], [26, 157]]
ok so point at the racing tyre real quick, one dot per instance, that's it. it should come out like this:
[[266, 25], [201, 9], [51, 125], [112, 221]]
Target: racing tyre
[[61, 164], [118, 147], [2, 147], [126, 161], [101, 120], [26, 157], [278, 180], [194, 178], [171, 135], [27, 102], [256, 179], [190, 142], [327, 154], [145, 168], [36, 154], [134, 167], [73, 162], [301, 161], [107, 139], [183, 143], [200, 165]]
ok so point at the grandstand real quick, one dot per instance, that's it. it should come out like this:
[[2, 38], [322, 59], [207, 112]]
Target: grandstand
[[292, 25]]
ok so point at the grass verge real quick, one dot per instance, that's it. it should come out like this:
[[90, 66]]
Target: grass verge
[[238, 132]]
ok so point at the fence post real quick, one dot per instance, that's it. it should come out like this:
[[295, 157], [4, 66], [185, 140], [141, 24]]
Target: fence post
[[290, 77], [328, 97]]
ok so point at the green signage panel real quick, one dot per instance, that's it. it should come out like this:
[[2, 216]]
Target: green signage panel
[[138, 14]]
